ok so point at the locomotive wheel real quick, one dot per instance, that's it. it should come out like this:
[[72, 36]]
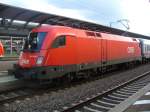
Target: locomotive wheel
[[68, 77]]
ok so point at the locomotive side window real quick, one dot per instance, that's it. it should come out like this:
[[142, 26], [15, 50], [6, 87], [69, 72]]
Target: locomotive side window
[[59, 41], [148, 47]]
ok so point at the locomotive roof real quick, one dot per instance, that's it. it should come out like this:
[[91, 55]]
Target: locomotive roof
[[63, 30]]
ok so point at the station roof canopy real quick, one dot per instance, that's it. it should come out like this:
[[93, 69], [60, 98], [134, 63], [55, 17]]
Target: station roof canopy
[[10, 15]]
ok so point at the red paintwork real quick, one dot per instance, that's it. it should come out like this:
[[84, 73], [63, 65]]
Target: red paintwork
[[1, 50], [81, 48]]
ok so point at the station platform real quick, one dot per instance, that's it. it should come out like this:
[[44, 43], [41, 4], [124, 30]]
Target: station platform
[[138, 102], [7, 78], [141, 105], [8, 82], [3, 73], [5, 65]]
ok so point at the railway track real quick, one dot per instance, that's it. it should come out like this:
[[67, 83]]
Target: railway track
[[11, 95], [20, 93], [23, 92], [107, 100]]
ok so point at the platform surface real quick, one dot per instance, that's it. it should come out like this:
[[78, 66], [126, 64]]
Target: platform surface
[[141, 105], [7, 78], [126, 106]]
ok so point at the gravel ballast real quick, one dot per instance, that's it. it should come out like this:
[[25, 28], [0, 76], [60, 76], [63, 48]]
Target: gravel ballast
[[49, 102]]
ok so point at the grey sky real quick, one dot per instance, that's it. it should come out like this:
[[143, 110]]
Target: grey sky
[[98, 11]]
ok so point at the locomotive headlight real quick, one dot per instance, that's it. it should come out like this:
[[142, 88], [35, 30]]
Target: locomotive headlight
[[39, 60]]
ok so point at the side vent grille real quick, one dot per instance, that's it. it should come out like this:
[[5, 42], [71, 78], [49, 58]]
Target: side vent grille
[[90, 33], [93, 34], [134, 39], [98, 35]]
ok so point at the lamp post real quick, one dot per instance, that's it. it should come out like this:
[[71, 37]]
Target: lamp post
[[125, 25], [110, 24], [124, 22]]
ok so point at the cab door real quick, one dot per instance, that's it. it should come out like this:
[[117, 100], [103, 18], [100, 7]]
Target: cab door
[[71, 49], [63, 51], [104, 51]]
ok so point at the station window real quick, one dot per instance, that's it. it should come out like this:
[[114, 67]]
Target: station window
[[59, 42]]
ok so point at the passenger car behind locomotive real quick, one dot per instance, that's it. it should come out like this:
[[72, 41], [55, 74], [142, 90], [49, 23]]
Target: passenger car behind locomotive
[[1, 50], [54, 51], [145, 49]]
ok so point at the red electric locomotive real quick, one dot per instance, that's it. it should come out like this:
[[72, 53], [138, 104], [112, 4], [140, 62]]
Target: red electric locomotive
[[1, 50], [54, 51]]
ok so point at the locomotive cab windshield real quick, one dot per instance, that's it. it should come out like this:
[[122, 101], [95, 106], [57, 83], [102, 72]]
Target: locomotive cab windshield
[[34, 41]]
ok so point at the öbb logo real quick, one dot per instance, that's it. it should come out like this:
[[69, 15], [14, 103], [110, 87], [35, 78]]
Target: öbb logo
[[130, 50]]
